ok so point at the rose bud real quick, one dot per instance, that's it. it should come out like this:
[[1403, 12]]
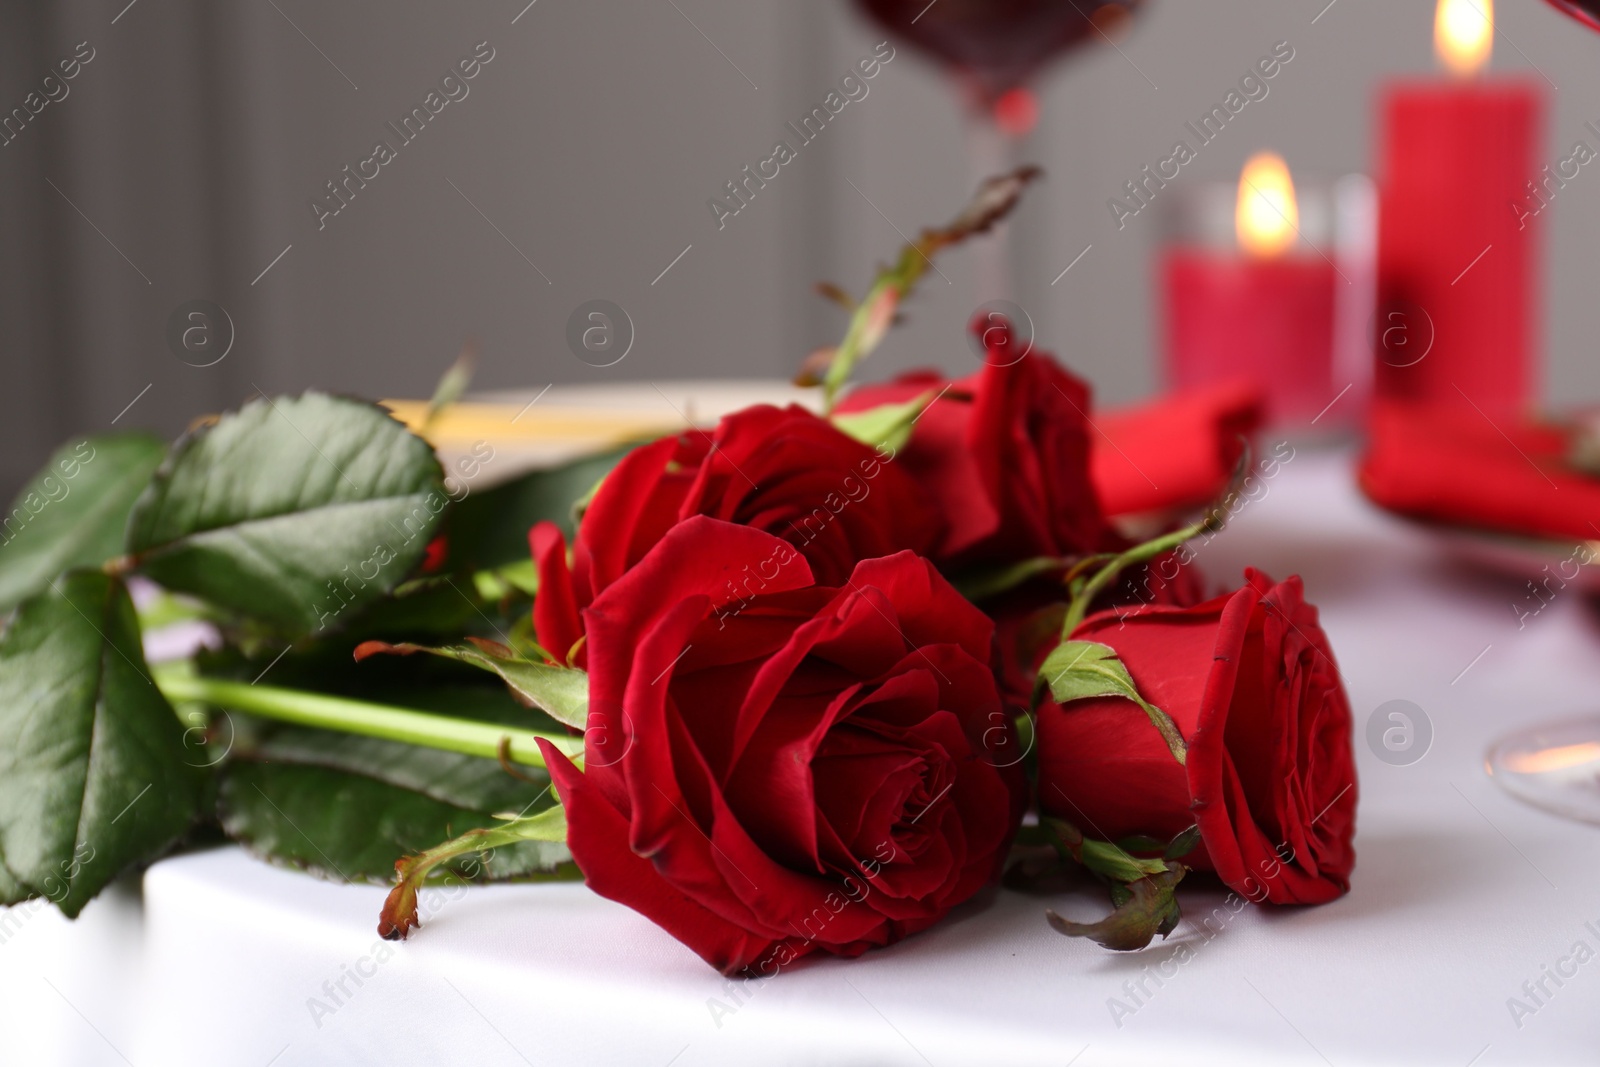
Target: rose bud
[[774, 767], [1249, 681], [782, 470], [1004, 453]]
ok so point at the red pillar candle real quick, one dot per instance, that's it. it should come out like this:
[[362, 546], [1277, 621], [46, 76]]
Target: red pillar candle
[[1457, 311], [1264, 313]]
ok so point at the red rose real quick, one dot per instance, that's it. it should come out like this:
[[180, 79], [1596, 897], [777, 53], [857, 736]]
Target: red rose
[[784, 471], [1250, 682], [1005, 455], [775, 767]]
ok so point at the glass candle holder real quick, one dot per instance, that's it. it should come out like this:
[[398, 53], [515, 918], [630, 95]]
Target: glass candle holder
[[1293, 318]]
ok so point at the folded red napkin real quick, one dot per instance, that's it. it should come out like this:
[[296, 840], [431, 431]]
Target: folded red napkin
[[1448, 462], [1174, 452]]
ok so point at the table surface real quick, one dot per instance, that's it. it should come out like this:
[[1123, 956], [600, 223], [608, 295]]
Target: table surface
[[1461, 895]]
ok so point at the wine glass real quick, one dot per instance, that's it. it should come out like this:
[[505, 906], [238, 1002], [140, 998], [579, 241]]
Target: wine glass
[[1555, 766], [994, 49], [1585, 11], [996, 46]]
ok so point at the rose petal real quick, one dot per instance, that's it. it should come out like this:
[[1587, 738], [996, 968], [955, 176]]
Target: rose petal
[[597, 835], [555, 610]]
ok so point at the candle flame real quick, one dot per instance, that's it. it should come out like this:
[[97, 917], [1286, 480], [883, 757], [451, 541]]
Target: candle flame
[[1559, 758], [1463, 35], [1268, 217]]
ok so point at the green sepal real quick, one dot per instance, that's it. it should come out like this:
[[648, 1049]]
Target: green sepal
[[1147, 908], [1183, 844], [560, 692], [1108, 860], [887, 427], [1082, 670], [1143, 889]]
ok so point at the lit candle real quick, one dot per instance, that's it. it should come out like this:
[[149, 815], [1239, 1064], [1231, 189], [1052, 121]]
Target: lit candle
[[1262, 313], [1456, 257]]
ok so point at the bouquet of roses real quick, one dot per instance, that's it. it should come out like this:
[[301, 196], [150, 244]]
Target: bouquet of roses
[[789, 684]]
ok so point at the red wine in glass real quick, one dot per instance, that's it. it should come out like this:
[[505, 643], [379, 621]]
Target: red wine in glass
[[998, 45], [1585, 11]]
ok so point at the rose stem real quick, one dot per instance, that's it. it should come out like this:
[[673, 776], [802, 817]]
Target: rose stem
[[468, 737], [1137, 554]]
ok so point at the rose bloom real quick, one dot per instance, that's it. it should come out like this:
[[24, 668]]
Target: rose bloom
[[1004, 453], [775, 767], [1251, 683], [782, 470]]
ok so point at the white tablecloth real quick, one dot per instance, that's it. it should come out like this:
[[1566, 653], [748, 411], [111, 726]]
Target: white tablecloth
[[1460, 896]]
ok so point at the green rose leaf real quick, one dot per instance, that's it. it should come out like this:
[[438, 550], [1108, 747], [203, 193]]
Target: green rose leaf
[[294, 511], [11, 890], [74, 512], [94, 775], [560, 692], [349, 808], [1081, 670]]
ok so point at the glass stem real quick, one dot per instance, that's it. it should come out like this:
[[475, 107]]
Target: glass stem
[[990, 152]]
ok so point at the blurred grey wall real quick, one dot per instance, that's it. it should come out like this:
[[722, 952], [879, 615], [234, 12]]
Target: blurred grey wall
[[182, 162]]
